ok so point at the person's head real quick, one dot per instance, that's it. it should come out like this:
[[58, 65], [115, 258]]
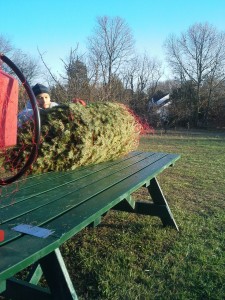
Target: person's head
[[42, 95]]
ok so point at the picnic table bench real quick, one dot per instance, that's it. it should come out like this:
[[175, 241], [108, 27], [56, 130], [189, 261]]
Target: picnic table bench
[[63, 203]]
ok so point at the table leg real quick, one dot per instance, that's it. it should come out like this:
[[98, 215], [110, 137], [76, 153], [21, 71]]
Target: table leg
[[158, 199], [57, 276]]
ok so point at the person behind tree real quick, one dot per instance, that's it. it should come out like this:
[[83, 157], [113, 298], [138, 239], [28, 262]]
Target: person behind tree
[[43, 98]]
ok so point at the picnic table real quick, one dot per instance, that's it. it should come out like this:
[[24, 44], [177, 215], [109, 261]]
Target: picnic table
[[41, 212]]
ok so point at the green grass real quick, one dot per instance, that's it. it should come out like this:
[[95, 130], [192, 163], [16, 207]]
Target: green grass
[[131, 257]]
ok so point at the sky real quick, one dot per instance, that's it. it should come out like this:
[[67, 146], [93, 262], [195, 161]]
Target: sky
[[56, 26]]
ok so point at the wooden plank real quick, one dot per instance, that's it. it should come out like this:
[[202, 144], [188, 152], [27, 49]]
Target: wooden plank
[[57, 276], [2, 286], [127, 205], [96, 222], [35, 274], [159, 199], [20, 290]]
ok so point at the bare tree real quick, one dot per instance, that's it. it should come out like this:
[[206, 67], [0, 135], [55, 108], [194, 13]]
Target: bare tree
[[77, 81], [28, 65], [73, 82], [109, 47], [198, 55], [141, 78], [5, 45]]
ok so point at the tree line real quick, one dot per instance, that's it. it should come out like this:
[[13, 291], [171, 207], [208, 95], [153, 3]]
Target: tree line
[[111, 70]]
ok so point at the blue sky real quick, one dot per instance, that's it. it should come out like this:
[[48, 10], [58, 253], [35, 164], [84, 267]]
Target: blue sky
[[54, 26]]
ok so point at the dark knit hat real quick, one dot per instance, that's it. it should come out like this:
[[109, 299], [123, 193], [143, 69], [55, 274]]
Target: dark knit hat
[[39, 89]]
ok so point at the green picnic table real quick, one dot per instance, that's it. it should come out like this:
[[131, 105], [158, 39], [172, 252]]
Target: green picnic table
[[53, 207]]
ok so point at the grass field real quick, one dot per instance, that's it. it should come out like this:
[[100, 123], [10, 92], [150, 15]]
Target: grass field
[[133, 257]]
